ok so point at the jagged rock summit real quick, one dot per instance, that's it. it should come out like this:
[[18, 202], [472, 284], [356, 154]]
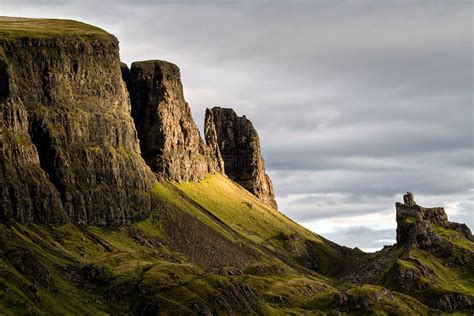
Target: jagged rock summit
[[170, 141], [431, 260], [169, 138], [69, 149], [239, 146], [430, 244], [416, 224]]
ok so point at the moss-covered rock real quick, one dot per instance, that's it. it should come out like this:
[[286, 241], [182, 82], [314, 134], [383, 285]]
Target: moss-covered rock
[[63, 105]]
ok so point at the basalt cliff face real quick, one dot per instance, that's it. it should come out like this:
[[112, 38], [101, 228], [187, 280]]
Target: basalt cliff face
[[239, 146], [170, 141], [169, 138], [69, 146]]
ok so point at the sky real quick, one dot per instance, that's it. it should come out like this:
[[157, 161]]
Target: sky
[[356, 102]]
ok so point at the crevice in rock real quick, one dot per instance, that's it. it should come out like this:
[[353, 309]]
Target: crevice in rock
[[4, 81], [42, 140]]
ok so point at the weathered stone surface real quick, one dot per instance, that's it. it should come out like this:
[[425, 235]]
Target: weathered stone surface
[[414, 224], [408, 199], [239, 146], [210, 134], [69, 148], [169, 138]]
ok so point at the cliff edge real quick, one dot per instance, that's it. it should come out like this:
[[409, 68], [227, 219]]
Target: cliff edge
[[69, 149]]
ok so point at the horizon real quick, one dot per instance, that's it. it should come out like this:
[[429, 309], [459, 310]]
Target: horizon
[[314, 104]]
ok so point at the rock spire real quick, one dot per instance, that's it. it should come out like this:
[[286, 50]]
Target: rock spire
[[239, 146]]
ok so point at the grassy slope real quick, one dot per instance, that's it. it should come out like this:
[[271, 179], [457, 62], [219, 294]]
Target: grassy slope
[[13, 27], [443, 274], [233, 260], [240, 210], [256, 221]]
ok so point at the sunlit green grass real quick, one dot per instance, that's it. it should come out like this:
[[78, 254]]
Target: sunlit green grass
[[13, 27], [241, 210], [448, 278]]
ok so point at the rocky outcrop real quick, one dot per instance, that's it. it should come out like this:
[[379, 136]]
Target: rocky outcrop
[[69, 149], [415, 224], [239, 145], [426, 241], [408, 199], [169, 138], [426, 233], [362, 300]]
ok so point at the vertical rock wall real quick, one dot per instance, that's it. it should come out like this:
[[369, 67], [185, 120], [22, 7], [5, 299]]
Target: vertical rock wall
[[239, 145], [169, 139], [69, 149]]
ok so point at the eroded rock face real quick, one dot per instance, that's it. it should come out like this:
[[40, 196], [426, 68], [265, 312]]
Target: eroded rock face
[[69, 149], [239, 145], [408, 199], [210, 135], [169, 138], [415, 224]]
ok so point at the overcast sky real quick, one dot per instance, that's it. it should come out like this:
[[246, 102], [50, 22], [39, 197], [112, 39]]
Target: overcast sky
[[356, 102]]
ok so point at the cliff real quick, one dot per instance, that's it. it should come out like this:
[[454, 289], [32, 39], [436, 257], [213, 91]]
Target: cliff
[[69, 145], [169, 138], [239, 146]]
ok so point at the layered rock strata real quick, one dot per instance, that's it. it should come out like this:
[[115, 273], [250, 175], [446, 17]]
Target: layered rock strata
[[239, 146], [169, 139], [69, 149]]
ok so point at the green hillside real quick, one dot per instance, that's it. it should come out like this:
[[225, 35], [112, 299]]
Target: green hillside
[[220, 250], [15, 27]]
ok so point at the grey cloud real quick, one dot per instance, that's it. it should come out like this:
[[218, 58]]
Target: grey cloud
[[370, 238]]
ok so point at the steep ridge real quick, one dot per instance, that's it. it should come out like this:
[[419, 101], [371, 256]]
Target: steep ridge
[[239, 145], [69, 144], [433, 259], [169, 138]]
